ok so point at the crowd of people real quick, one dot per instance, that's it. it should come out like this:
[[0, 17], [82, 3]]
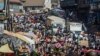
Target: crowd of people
[[47, 43]]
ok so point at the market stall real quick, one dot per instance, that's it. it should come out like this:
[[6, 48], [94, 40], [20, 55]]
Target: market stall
[[6, 51], [16, 35]]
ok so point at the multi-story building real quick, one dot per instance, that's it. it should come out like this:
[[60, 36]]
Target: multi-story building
[[87, 11], [15, 6]]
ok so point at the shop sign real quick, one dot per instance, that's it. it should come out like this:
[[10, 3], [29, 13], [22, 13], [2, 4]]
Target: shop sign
[[75, 26]]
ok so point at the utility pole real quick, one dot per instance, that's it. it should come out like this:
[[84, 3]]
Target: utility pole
[[8, 15]]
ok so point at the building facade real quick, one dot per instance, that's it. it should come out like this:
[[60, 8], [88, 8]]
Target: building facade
[[87, 11], [16, 6]]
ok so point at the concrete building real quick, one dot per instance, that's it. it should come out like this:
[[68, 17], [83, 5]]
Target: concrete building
[[38, 4], [16, 6], [87, 11]]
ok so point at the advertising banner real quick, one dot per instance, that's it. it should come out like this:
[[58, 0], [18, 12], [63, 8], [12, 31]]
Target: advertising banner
[[75, 26]]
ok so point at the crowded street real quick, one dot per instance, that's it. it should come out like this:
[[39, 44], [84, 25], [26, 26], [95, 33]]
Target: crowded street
[[49, 31]]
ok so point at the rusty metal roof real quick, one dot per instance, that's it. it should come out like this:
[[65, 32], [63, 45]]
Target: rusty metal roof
[[15, 1], [1, 0], [34, 3]]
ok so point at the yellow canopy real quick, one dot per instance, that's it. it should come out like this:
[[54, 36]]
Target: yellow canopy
[[21, 37], [16, 35], [5, 49], [27, 34], [24, 33]]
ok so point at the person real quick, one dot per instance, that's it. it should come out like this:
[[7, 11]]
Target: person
[[24, 50], [83, 51], [91, 53], [70, 51]]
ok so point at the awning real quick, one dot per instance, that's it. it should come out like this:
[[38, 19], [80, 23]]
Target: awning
[[5, 49], [32, 3], [21, 37], [28, 34], [32, 41], [56, 19], [16, 35], [15, 1]]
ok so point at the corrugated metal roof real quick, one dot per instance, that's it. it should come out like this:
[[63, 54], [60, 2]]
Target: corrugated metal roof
[[34, 3], [1, 0], [15, 1]]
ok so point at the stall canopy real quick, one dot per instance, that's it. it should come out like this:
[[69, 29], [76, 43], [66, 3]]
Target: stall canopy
[[16, 35], [28, 34], [55, 18], [31, 41], [5, 49]]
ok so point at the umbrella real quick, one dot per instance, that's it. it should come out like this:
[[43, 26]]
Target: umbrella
[[5, 49]]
